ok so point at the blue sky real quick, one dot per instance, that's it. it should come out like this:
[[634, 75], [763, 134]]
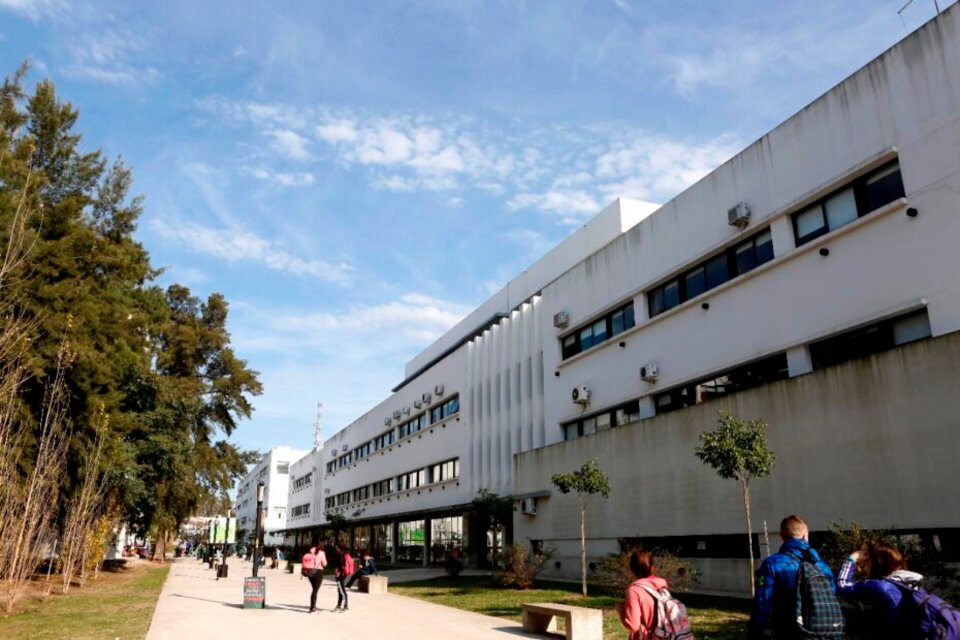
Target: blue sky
[[356, 176]]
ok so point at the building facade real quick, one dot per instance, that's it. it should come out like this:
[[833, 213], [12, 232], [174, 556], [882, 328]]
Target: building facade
[[273, 471], [811, 281]]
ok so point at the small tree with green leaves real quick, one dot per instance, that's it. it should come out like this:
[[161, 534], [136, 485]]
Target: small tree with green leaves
[[738, 450], [493, 512], [585, 481]]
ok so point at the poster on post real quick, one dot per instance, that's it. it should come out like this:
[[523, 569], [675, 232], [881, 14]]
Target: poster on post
[[220, 529], [231, 530]]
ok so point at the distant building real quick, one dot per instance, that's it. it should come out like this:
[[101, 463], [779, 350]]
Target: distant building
[[813, 281], [274, 471]]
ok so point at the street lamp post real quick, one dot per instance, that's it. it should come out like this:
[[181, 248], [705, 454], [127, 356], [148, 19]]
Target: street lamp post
[[258, 531]]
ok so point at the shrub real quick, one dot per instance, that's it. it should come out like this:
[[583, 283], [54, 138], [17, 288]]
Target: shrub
[[521, 564], [615, 572]]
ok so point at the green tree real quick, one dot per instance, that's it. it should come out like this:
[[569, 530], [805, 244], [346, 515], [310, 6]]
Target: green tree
[[737, 450], [494, 513], [586, 481]]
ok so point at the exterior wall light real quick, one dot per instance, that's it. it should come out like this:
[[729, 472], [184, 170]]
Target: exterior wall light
[[824, 252], [912, 212]]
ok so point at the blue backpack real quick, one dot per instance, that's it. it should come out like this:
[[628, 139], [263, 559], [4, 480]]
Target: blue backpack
[[928, 616], [818, 612]]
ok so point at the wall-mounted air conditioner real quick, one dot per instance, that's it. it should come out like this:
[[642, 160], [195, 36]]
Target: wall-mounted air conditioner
[[561, 320], [580, 395], [417, 404], [396, 414], [528, 506], [650, 372], [426, 398], [344, 448], [438, 389], [739, 215], [406, 411], [387, 420]]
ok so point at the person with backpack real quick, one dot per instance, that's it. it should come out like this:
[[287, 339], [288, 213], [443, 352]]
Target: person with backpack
[[890, 603], [342, 569], [795, 591], [312, 565], [648, 610]]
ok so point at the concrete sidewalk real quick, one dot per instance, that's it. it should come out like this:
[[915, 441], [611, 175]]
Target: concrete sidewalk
[[194, 604]]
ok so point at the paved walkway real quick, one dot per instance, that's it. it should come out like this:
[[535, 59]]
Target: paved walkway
[[194, 604]]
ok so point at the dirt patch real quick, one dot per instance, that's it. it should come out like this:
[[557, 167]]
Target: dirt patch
[[114, 575]]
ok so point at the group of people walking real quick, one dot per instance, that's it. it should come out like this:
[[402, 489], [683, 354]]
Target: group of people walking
[[344, 568], [797, 596]]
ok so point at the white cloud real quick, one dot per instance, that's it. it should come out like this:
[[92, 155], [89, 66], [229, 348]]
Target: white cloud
[[337, 131], [242, 246], [108, 57], [556, 201], [290, 143], [34, 9], [283, 179]]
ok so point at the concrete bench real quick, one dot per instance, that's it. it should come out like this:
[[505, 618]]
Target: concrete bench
[[373, 584], [581, 623]]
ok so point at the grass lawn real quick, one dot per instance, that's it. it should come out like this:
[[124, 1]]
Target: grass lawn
[[119, 604], [713, 618]]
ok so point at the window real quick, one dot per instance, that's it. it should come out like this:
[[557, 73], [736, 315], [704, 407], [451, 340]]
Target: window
[[384, 487], [331, 466], [618, 416], [384, 440], [711, 273], [362, 451], [329, 503], [598, 331], [445, 410], [866, 341], [300, 510], [361, 494], [744, 377], [412, 480], [283, 468], [412, 426], [303, 481], [443, 471], [853, 201]]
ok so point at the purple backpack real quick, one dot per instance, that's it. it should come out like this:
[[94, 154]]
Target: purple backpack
[[930, 616]]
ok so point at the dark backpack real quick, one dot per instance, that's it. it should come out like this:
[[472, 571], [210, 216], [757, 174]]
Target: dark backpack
[[927, 616], [818, 612]]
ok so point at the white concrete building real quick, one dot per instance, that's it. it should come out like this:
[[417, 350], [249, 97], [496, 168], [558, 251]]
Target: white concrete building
[[274, 471], [811, 281]]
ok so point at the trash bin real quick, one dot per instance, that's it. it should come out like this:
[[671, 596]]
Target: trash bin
[[221, 571]]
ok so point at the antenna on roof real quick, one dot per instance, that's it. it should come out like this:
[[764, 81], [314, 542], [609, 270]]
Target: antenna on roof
[[318, 427]]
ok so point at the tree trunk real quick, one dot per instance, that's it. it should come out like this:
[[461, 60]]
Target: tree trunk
[[583, 549], [159, 549], [746, 506]]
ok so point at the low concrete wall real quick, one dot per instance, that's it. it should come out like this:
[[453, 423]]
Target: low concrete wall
[[873, 441]]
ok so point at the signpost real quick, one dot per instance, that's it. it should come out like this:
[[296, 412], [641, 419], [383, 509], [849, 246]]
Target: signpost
[[254, 592]]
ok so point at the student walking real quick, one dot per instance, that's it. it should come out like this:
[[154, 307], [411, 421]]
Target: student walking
[[341, 558], [648, 610], [885, 604], [778, 599], [313, 563]]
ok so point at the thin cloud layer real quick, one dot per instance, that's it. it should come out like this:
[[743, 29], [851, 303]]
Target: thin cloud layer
[[233, 246]]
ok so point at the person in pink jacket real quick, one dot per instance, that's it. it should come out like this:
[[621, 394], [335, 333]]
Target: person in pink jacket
[[637, 610]]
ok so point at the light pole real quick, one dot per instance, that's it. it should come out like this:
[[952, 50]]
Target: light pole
[[258, 531]]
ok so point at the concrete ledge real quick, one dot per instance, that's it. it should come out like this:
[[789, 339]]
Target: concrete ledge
[[581, 623], [373, 584]]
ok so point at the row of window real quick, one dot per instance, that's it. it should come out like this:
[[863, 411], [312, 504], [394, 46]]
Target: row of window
[[712, 272], [857, 343], [437, 414], [848, 203], [440, 472], [599, 330], [303, 481], [616, 417], [300, 510]]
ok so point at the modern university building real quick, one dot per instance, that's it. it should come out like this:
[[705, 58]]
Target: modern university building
[[812, 281]]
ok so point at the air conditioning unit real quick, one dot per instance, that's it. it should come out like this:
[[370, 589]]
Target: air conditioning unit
[[387, 420], [580, 395], [396, 414], [406, 411], [528, 506], [438, 389], [650, 372], [417, 404], [739, 216], [426, 398], [344, 448], [333, 453], [561, 320]]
